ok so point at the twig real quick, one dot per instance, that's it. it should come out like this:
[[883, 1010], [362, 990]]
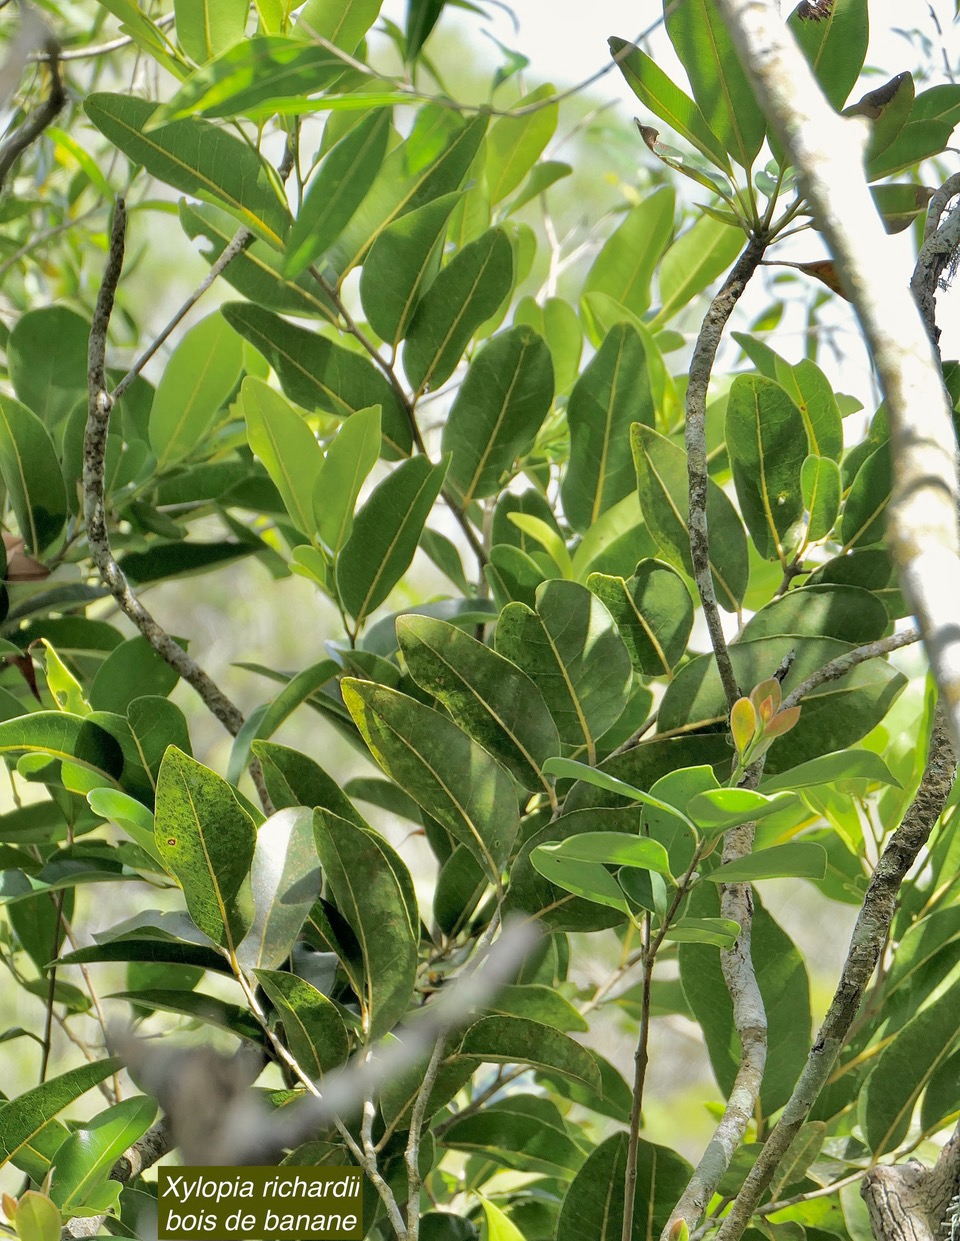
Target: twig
[[843, 664], [701, 367], [94, 451], [869, 933], [412, 1151], [641, 1058], [39, 118], [102, 49], [827, 150]]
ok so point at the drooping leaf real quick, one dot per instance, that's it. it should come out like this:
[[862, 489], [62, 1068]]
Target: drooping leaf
[[509, 1040], [515, 142], [71, 738], [441, 767], [653, 612], [361, 872], [206, 839], [498, 411], [31, 475], [285, 883]]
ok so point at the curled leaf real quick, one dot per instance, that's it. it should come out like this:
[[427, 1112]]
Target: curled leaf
[[824, 270]]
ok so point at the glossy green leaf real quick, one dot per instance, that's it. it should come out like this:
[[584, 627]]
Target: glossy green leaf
[[498, 411], [719, 81], [571, 649], [206, 839], [717, 810], [604, 780], [662, 481], [784, 986], [653, 612], [500, 1227], [312, 1026], [522, 1133], [542, 176], [821, 486], [717, 932], [833, 716], [196, 1006], [917, 140], [537, 1003], [361, 872], [905, 1066], [608, 848], [512, 1040], [863, 519], [698, 256], [337, 190], [31, 475], [485, 694], [385, 534], [849, 613], [156, 723], [811, 392], [400, 265], [667, 101], [132, 670], [464, 294], [349, 459], [285, 881], [47, 358], [37, 1218], [318, 374], [132, 815], [834, 42], [441, 767], [844, 765], [766, 441], [797, 860], [899, 204], [593, 1205], [612, 393], [515, 142], [284, 442], [206, 27], [195, 157], [71, 738], [86, 1158], [22, 1118], [591, 881], [432, 161], [341, 22], [62, 684], [545, 536], [625, 265]]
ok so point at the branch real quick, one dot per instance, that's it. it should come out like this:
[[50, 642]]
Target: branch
[[910, 1202], [94, 451], [866, 945], [34, 33], [940, 242], [701, 367], [844, 663], [827, 151]]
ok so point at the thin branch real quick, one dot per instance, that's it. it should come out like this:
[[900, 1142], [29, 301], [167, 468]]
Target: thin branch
[[701, 367], [641, 1058], [412, 1151], [869, 934], [843, 664], [828, 150], [39, 118], [98, 539], [96, 50]]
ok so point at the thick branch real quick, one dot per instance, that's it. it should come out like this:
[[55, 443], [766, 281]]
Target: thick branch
[[827, 151], [910, 1202], [866, 944], [701, 366]]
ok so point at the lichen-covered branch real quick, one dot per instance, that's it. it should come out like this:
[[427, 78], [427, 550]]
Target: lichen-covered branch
[[849, 660], [866, 944], [909, 1201], [940, 243], [827, 151]]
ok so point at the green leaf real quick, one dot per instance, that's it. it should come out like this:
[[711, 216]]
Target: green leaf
[[717, 932], [252, 79], [318, 374], [593, 1206], [32, 476], [22, 1118], [132, 670], [625, 265], [589, 880], [464, 294], [514, 143], [71, 738], [284, 442], [195, 157], [603, 780], [538, 1003], [662, 482], [132, 815], [571, 649], [784, 987], [917, 140], [849, 613], [486, 695], [206, 27], [385, 535], [432, 161], [811, 392], [62, 684], [366, 880], [206, 839], [544, 534], [337, 190], [612, 393], [156, 723], [522, 1133], [86, 1158], [766, 441], [400, 265], [821, 486], [312, 1026], [513, 1040], [196, 1006], [695, 260], [899, 204], [498, 411], [905, 1066], [834, 41], [341, 22], [863, 519], [37, 1218], [720, 85], [830, 768], [717, 810], [441, 767], [797, 860], [653, 612], [833, 716], [610, 849], [285, 880], [47, 359], [499, 1226], [667, 101], [541, 177]]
